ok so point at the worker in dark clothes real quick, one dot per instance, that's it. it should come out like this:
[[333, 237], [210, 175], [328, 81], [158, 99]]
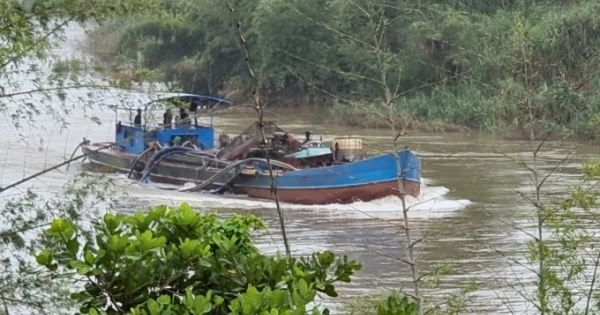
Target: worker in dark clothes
[[138, 118], [185, 118], [167, 118]]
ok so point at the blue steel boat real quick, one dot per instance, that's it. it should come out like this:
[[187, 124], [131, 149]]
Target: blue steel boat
[[190, 144], [363, 180]]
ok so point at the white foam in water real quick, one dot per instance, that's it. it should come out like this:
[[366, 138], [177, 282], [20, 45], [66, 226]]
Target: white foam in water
[[433, 202]]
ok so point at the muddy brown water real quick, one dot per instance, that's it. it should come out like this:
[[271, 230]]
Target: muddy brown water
[[468, 214]]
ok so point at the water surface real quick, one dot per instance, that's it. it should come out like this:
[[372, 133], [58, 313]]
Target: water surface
[[469, 212]]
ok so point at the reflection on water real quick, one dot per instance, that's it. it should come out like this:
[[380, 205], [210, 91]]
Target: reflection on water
[[467, 212]]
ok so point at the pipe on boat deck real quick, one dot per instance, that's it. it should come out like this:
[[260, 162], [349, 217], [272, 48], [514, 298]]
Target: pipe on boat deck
[[137, 160], [163, 153], [231, 166]]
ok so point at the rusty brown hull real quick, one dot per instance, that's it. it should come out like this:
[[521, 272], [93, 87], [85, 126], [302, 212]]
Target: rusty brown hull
[[344, 195]]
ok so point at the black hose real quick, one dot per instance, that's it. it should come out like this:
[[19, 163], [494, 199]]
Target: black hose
[[137, 160], [76, 148], [228, 168]]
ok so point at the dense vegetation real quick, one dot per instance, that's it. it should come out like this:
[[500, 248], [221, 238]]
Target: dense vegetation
[[176, 261], [481, 64]]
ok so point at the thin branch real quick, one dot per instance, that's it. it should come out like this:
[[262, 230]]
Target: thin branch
[[543, 141], [554, 169], [4, 303], [26, 179], [41, 90], [589, 296], [43, 38], [259, 111]]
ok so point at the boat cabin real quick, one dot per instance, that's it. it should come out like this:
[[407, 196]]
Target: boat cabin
[[195, 130]]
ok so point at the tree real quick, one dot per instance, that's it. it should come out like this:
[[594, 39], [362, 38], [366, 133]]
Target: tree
[[176, 261]]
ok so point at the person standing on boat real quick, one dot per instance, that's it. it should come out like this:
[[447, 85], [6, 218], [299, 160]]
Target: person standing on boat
[[185, 118], [167, 118], [137, 121], [336, 151]]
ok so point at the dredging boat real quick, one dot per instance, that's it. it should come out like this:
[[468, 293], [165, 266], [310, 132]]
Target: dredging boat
[[304, 172]]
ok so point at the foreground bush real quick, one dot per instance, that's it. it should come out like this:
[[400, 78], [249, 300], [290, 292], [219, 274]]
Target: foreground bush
[[176, 261]]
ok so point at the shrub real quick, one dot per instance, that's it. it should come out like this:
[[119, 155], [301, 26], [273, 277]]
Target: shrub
[[176, 261]]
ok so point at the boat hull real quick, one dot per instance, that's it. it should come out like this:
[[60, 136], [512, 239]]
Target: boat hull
[[164, 172], [343, 195], [363, 180]]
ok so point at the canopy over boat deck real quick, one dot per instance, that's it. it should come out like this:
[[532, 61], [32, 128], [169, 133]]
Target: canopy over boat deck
[[197, 128]]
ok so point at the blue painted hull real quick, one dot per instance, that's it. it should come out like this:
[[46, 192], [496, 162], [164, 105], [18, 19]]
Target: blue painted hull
[[364, 180]]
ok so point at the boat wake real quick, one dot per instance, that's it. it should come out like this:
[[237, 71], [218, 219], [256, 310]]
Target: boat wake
[[433, 202]]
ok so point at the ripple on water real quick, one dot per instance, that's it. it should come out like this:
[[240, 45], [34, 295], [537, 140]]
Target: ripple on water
[[467, 213], [433, 202]]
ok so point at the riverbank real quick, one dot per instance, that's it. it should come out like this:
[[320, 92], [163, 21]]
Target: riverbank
[[447, 109], [377, 117]]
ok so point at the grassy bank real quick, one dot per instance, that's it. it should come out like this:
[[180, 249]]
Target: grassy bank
[[468, 108], [371, 116]]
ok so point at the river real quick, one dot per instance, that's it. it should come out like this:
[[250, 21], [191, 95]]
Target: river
[[469, 211]]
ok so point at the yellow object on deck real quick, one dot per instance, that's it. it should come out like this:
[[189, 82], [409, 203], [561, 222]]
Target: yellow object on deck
[[349, 149], [349, 143]]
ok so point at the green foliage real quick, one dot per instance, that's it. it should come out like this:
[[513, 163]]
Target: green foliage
[[23, 220], [482, 64], [568, 253], [176, 261], [396, 305], [27, 26], [391, 304]]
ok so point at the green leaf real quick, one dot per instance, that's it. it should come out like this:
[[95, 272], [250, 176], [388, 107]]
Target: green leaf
[[185, 207], [252, 300], [188, 216], [198, 304], [89, 257], [111, 222], [164, 299], [73, 246], [153, 307], [82, 268], [133, 256], [302, 287], [44, 258], [117, 243], [63, 229], [56, 225], [157, 242], [100, 255], [330, 290], [188, 247]]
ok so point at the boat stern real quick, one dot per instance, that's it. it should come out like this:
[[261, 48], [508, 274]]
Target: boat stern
[[411, 173]]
